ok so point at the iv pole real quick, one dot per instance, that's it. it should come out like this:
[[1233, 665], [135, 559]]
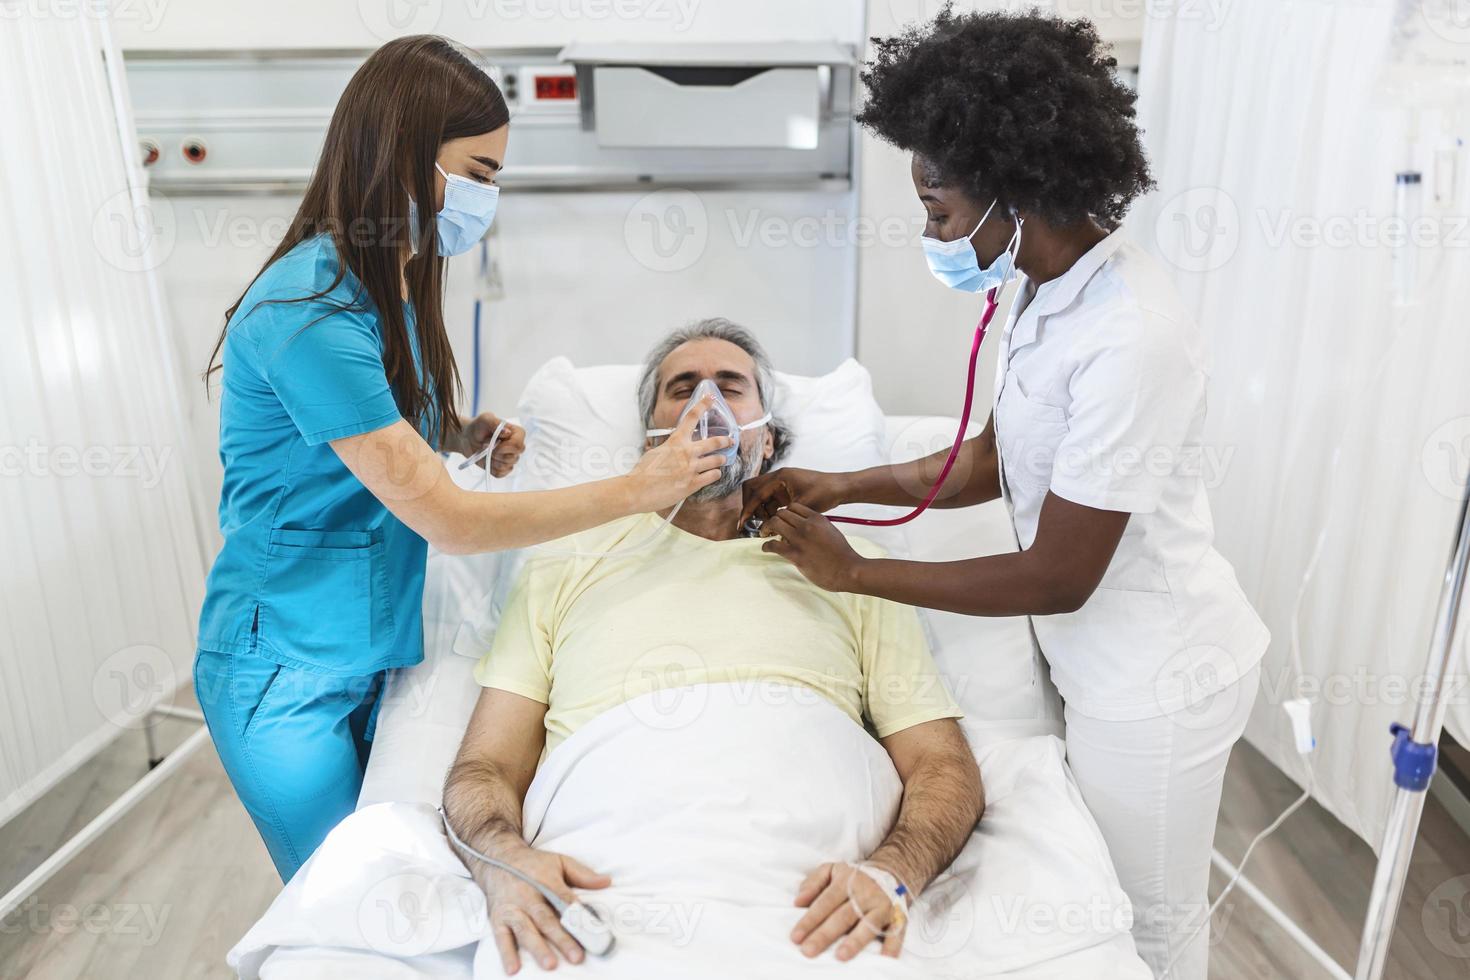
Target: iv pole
[[1414, 756], [1415, 750]]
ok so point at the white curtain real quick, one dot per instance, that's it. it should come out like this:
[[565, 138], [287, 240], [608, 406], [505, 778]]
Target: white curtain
[[1275, 147], [102, 567]]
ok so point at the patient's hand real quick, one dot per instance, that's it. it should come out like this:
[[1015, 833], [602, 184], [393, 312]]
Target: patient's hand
[[522, 920], [830, 916]]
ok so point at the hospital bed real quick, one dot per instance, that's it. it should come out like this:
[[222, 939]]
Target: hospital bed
[[1032, 897]]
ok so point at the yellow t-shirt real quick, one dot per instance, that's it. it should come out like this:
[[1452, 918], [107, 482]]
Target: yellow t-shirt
[[582, 635]]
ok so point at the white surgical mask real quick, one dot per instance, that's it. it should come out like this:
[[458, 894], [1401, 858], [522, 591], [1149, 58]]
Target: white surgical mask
[[957, 266]]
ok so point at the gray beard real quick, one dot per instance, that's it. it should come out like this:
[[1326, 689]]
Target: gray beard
[[732, 477]]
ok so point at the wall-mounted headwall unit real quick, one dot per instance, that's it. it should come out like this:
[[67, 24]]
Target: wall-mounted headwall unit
[[586, 116]]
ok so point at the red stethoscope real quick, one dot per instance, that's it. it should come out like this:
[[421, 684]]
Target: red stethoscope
[[992, 302]]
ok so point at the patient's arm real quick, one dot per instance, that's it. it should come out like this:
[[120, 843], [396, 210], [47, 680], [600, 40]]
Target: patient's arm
[[482, 800], [942, 801]]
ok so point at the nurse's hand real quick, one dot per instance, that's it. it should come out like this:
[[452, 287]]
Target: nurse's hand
[[769, 492], [475, 436], [810, 542], [680, 465], [521, 920]]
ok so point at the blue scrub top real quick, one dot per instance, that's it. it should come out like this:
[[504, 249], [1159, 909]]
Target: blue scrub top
[[315, 573]]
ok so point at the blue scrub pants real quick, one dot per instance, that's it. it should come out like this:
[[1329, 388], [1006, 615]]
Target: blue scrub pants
[[294, 744]]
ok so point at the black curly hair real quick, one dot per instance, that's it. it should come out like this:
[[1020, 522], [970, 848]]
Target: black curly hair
[[1021, 107]]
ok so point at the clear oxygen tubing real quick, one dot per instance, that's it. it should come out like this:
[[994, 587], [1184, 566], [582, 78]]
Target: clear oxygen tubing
[[642, 545], [1352, 423], [992, 302]]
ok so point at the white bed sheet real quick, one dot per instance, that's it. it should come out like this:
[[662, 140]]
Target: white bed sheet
[[1031, 896], [1013, 720]]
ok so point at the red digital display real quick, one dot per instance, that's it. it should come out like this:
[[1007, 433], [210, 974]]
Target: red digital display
[[556, 86]]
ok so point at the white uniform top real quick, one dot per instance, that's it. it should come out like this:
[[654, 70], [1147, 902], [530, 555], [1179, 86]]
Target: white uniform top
[[1100, 398]]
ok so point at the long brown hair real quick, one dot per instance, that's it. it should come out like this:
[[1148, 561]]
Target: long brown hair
[[409, 97]]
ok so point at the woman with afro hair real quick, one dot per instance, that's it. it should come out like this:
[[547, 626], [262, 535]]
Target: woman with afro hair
[[1026, 156]]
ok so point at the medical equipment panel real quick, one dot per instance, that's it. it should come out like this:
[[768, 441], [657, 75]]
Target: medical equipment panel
[[603, 116]]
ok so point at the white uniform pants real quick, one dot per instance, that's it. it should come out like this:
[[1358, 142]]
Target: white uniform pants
[[1154, 788]]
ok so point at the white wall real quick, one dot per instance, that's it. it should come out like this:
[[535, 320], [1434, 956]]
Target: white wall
[[913, 333], [582, 278]]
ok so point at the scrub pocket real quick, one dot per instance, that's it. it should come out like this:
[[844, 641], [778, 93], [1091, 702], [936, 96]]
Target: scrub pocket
[[322, 595]]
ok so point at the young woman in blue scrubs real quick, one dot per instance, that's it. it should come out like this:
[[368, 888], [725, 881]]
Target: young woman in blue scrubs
[[338, 392]]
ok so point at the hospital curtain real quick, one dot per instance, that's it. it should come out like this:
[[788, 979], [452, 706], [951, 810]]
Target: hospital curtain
[[99, 548], [1275, 144]]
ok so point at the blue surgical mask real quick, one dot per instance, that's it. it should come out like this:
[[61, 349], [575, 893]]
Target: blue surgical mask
[[469, 209], [957, 266]]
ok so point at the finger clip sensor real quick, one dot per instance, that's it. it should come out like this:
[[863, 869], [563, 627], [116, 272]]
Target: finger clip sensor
[[587, 928]]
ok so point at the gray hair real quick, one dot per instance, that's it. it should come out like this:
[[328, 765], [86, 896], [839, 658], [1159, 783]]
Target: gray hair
[[717, 328]]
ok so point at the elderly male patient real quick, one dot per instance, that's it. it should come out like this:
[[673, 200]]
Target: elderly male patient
[[582, 634]]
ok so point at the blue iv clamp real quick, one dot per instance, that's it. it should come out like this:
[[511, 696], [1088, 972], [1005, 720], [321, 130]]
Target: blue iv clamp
[[1413, 762]]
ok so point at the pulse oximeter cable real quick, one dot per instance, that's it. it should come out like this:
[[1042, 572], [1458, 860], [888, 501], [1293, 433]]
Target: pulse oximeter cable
[[579, 920]]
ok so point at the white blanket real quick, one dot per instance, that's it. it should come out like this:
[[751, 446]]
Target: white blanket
[[707, 806]]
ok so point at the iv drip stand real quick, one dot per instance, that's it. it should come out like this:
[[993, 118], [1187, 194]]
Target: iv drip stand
[[1414, 754]]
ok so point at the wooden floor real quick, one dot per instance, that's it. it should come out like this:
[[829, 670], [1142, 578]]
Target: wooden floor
[[1320, 873], [161, 895], [170, 888]]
